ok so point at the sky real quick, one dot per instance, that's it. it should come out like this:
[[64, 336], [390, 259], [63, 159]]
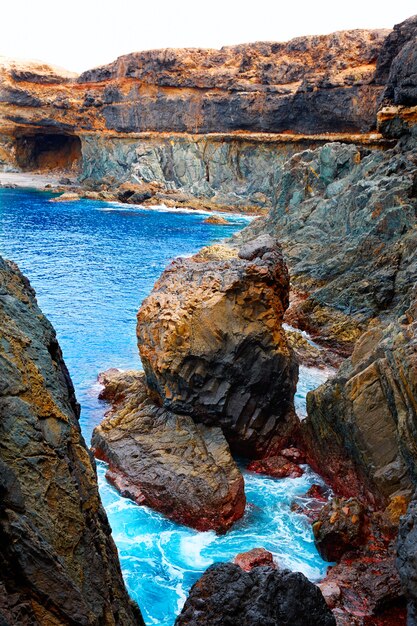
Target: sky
[[81, 34]]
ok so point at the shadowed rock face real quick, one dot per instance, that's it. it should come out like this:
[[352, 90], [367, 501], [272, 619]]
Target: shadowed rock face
[[166, 461], [226, 594], [407, 559], [212, 344], [58, 562]]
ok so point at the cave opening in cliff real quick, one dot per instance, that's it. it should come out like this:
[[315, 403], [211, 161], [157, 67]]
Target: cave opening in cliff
[[48, 152]]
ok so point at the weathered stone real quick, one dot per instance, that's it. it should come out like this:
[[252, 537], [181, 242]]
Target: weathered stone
[[258, 557], [276, 466], [212, 345], [225, 594], [59, 565], [164, 460], [361, 425], [340, 527]]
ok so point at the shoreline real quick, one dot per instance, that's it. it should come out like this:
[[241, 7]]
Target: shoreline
[[62, 184]]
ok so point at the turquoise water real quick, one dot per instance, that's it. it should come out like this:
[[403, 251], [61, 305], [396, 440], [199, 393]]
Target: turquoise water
[[92, 264]]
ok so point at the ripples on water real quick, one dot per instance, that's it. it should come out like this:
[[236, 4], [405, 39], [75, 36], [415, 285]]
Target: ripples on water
[[92, 264]]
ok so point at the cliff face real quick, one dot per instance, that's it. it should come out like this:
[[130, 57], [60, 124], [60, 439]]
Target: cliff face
[[59, 565]]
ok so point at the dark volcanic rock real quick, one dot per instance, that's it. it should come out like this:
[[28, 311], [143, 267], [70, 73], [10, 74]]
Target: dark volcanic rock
[[226, 594], [340, 527], [407, 559], [58, 562], [166, 461], [213, 347], [400, 36]]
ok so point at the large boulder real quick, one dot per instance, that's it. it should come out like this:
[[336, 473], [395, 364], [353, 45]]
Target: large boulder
[[339, 527], [264, 596], [361, 424], [165, 460], [212, 345], [59, 564]]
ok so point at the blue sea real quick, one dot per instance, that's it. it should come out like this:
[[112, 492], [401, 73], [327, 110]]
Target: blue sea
[[91, 264]]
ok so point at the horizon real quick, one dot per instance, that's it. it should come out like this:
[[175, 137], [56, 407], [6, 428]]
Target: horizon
[[101, 39]]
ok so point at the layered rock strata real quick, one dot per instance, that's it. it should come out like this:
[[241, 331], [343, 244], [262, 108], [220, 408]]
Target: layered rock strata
[[226, 594], [59, 565], [212, 345], [165, 460]]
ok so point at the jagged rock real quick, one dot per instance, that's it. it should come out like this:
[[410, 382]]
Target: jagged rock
[[216, 219], [361, 425], [164, 460], [407, 559], [225, 594], [258, 557], [212, 345], [346, 221], [276, 466], [59, 564], [340, 527]]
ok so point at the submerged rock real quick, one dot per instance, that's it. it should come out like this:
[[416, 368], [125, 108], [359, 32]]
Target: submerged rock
[[165, 460], [59, 565], [212, 345], [226, 594]]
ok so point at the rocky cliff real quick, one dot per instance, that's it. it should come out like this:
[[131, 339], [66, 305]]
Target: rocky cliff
[[197, 121], [59, 565]]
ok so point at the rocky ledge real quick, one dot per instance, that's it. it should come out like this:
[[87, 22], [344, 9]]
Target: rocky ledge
[[165, 460], [59, 564]]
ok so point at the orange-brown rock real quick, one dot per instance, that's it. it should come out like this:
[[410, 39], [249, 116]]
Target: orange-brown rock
[[212, 345], [164, 460], [59, 564], [258, 557]]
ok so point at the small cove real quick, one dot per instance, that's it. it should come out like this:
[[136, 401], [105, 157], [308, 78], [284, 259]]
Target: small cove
[[91, 265]]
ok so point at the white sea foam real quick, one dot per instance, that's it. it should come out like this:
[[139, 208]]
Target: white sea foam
[[192, 546]]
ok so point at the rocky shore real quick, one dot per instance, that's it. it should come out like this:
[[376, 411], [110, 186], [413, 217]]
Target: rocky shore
[[334, 256]]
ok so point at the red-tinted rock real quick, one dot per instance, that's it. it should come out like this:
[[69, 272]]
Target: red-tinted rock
[[293, 454], [276, 466], [166, 461], [254, 558]]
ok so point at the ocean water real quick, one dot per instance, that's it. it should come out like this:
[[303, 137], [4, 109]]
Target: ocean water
[[91, 264]]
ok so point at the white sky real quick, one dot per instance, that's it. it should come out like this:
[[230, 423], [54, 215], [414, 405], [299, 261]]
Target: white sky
[[80, 34]]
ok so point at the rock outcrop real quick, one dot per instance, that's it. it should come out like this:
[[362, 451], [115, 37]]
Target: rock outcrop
[[346, 220], [361, 425], [340, 526], [226, 594], [212, 345], [58, 563], [165, 460]]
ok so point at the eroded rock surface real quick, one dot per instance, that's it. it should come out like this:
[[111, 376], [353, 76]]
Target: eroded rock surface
[[407, 559], [212, 344], [58, 563], [361, 425], [225, 594], [165, 460]]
